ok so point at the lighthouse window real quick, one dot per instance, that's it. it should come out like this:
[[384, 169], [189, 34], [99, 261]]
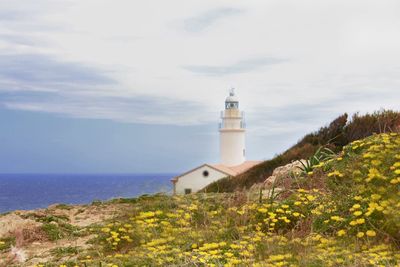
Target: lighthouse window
[[231, 105], [188, 191], [205, 174]]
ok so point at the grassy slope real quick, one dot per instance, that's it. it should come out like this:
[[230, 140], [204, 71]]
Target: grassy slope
[[346, 213], [337, 134]]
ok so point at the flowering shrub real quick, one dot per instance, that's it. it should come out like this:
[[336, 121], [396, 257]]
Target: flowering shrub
[[351, 219], [365, 185]]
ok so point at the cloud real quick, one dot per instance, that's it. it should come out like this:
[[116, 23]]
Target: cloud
[[134, 109], [205, 20], [175, 66], [102, 67], [236, 68], [304, 118], [40, 83], [8, 15], [44, 73], [18, 39]]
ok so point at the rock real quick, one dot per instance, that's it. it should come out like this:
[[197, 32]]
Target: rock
[[18, 254], [281, 178], [281, 174], [267, 193], [289, 168], [10, 222], [269, 181]]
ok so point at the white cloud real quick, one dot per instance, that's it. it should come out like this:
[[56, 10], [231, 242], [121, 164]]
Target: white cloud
[[207, 19], [335, 52], [242, 66]]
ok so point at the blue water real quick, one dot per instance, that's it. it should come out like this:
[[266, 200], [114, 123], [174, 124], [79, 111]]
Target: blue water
[[32, 191]]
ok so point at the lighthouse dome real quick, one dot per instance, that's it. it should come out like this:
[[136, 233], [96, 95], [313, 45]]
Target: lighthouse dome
[[232, 97], [232, 102]]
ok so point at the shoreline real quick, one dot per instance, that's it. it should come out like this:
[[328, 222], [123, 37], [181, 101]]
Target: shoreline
[[27, 192]]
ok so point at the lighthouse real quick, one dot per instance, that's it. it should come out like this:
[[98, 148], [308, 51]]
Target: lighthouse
[[232, 131]]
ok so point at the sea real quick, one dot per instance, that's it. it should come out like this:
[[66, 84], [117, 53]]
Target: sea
[[33, 191]]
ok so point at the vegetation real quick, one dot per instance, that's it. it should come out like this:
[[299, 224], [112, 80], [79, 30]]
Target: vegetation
[[343, 209], [346, 212], [320, 155], [56, 227], [65, 251], [337, 134], [6, 243], [59, 231]]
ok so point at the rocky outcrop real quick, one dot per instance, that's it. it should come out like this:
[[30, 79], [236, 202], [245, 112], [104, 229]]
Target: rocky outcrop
[[33, 231], [280, 179], [283, 173]]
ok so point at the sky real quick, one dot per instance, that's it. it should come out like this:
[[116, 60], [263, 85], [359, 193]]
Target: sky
[[102, 86]]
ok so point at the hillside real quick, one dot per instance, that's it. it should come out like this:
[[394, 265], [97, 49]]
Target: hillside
[[337, 134], [343, 213]]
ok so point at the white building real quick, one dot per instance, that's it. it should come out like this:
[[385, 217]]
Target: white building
[[232, 153]]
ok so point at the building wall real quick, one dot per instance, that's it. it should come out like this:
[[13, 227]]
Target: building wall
[[232, 147], [232, 119], [196, 181]]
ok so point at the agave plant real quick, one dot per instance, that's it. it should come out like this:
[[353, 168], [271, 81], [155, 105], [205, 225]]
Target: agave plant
[[322, 154]]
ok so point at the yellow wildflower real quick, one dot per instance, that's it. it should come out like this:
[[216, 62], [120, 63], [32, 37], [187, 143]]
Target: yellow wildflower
[[341, 232], [311, 198], [360, 234], [371, 233], [358, 213], [376, 196], [360, 221], [335, 173], [376, 162], [353, 223], [336, 218], [262, 210]]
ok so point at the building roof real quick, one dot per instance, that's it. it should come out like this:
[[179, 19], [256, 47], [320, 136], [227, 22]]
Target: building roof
[[232, 97], [228, 170], [238, 169]]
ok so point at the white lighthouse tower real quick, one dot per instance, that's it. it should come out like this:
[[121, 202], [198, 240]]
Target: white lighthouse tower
[[232, 133], [232, 148]]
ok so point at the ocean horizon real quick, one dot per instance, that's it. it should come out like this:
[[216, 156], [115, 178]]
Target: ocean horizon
[[34, 191]]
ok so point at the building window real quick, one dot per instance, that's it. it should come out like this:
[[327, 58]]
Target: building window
[[206, 173], [244, 152], [188, 191]]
